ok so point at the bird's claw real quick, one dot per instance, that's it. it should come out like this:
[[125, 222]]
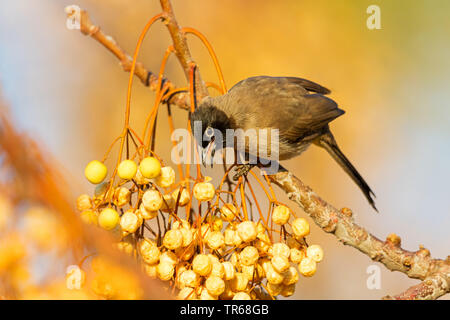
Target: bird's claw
[[242, 170]]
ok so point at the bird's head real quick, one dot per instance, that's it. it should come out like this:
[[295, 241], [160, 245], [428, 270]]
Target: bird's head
[[209, 125]]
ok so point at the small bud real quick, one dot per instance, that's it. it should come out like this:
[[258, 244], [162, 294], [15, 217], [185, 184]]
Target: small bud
[[280, 215]]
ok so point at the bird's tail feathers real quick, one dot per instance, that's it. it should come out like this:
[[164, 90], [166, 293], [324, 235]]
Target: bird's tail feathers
[[328, 142]]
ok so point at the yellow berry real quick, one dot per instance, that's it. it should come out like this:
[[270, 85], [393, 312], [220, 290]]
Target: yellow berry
[[280, 263], [149, 251], [288, 290], [150, 167], [108, 219], [147, 214], [307, 267], [187, 235], [218, 269], [229, 270], [173, 239], [296, 255], [281, 249], [168, 257], [205, 295], [127, 169], [290, 276], [215, 285], [300, 227], [239, 282], [315, 252], [280, 215], [152, 200], [165, 271], [95, 172], [272, 275], [247, 231], [274, 289], [84, 202], [151, 270], [121, 196], [89, 217], [249, 256], [184, 197], [241, 296], [187, 293], [204, 191], [129, 222], [189, 278], [166, 178], [202, 264], [215, 240], [228, 212]]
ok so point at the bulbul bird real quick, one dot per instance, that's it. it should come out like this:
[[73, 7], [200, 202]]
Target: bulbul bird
[[297, 107]]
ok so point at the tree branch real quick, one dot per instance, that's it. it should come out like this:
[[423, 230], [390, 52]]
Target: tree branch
[[435, 273]]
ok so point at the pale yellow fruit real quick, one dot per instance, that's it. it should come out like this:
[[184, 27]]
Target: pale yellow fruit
[[242, 296], [95, 172], [290, 276], [288, 290], [296, 255], [169, 257], [187, 293], [184, 197], [217, 223], [127, 169], [147, 214], [315, 252], [204, 191], [232, 237], [84, 203], [280, 215], [272, 275], [166, 178], [189, 278], [187, 235], [89, 217], [247, 231], [239, 282], [280, 263], [152, 200], [151, 270], [165, 271], [217, 269], [149, 251], [108, 219], [215, 240], [150, 167], [215, 285], [248, 272], [307, 267], [228, 270], [300, 227], [121, 196], [280, 249], [129, 222], [228, 212], [263, 243], [274, 289], [205, 295], [249, 256], [173, 239], [168, 203], [202, 264]]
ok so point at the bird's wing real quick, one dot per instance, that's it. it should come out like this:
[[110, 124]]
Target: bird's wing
[[309, 85], [281, 103]]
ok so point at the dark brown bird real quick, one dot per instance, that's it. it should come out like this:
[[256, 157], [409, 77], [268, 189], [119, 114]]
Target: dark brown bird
[[296, 107]]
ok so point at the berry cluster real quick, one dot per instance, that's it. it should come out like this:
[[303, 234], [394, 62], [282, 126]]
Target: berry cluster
[[220, 254]]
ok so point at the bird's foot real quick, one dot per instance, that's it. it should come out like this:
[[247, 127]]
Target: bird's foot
[[242, 170]]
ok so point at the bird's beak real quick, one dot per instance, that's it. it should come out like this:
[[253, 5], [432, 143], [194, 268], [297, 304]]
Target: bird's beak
[[209, 151]]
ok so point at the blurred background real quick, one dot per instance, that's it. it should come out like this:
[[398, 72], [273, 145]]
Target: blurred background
[[69, 93]]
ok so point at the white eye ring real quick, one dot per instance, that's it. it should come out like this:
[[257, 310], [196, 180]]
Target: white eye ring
[[209, 132]]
